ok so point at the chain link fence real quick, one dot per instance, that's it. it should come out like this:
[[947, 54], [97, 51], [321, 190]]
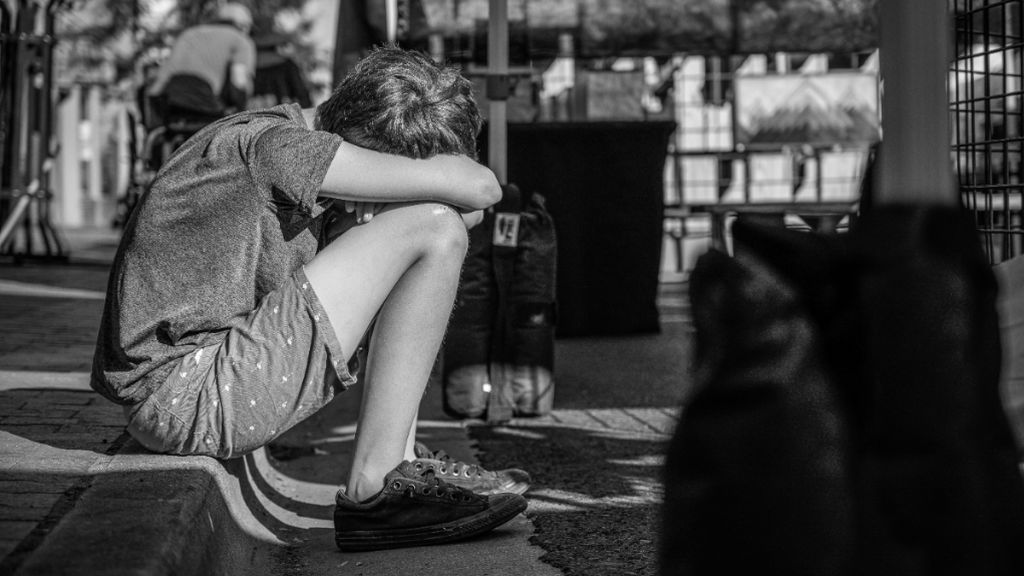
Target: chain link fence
[[985, 100]]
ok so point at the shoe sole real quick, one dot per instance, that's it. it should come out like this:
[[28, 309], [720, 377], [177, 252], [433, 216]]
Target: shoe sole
[[364, 540]]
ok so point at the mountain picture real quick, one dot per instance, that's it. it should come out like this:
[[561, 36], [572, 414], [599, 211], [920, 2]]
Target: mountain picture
[[819, 110]]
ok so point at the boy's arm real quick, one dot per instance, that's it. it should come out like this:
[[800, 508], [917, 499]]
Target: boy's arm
[[362, 175]]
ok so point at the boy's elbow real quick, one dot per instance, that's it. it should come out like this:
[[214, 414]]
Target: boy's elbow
[[489, 192]]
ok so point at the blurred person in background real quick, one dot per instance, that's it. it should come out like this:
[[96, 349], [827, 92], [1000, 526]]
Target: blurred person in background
[[209, 73]]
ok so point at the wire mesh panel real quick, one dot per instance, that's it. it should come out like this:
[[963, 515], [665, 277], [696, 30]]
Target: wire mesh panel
[[985, 97]]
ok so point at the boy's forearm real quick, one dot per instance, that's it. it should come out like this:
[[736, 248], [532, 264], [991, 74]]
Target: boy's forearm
[[363, 175]]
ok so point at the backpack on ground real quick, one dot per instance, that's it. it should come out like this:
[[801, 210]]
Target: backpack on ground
[[498, 358]]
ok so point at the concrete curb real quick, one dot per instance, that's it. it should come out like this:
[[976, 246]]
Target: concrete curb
[[153, 515], [129, 511], [112, 507]]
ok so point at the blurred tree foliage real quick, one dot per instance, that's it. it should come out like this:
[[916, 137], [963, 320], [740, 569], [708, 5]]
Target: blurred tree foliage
[[807, 25], [122, 31], [663, 27], [93, 39], [264, 12], [654, 26]]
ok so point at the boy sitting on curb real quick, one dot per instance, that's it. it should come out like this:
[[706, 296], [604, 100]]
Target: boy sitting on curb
[[232, 314]]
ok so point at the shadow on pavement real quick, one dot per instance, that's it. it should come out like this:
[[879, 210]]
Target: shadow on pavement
[[596, 494]]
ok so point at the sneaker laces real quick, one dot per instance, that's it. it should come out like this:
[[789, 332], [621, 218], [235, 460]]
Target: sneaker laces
[[457, 466], [440, 487]]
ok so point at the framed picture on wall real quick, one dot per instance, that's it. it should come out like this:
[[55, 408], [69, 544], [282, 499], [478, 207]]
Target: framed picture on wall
[[819, 110]]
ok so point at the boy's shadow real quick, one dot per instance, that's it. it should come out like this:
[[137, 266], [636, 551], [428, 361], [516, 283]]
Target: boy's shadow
[[287, 489], [290, 485]]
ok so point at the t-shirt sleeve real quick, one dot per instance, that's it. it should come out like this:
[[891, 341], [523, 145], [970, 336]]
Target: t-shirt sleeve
[[289, 162]]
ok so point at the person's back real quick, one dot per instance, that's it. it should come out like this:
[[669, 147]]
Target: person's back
[[209, 71]]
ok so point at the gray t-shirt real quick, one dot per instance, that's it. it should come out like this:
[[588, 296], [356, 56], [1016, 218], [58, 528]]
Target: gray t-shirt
[[228, 219]]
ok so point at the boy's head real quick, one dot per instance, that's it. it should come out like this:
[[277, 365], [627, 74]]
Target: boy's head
[[402, 102]]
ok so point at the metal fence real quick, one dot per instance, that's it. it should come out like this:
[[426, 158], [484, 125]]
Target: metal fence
[[985, 99], [764, 134], [27, 145]]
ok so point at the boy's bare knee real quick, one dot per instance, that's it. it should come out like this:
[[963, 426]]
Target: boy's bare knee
[[417, 228], [446, 231]]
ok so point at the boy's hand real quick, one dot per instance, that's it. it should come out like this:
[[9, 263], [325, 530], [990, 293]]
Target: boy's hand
[[363, 211], [473, 218]]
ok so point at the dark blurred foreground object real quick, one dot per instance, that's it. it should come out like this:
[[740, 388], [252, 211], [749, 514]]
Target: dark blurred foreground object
[[499, 350], [880, 351], [847, 417]]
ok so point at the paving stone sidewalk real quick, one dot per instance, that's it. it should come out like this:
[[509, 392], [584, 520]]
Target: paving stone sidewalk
[[52, 430], [49, 442]]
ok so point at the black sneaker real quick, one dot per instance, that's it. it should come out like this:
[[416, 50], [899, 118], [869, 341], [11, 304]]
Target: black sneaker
[[418, 508], [470, 476]]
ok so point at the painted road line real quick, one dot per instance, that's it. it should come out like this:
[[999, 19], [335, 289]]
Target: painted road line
[[27, 380], [13, 288]]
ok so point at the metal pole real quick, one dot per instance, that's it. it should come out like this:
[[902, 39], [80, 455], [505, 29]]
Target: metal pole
[[55, 246], [14, 218], [391, 20], [68, 163], [914, 162], [6, 92], [94, 170], [19, 132], [497, 71]]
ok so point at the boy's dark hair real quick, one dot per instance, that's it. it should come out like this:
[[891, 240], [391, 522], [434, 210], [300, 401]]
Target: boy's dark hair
[[402, 102]]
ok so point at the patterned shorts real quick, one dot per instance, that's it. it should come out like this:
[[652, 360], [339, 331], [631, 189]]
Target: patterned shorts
[[280, 366]]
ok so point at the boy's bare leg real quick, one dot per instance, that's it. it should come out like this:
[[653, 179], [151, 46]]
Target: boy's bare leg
[[404, 263], [410, 452]]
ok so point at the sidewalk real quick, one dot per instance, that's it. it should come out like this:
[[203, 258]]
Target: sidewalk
[[78, 496]]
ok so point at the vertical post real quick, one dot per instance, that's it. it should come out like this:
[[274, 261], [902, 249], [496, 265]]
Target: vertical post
[[18, 131], [782, 62], [122, 153], [436, 44], [351, 37], [497, 68], [391, 20], [914, 164], [94, 172], [69, 190], [48, 90]]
